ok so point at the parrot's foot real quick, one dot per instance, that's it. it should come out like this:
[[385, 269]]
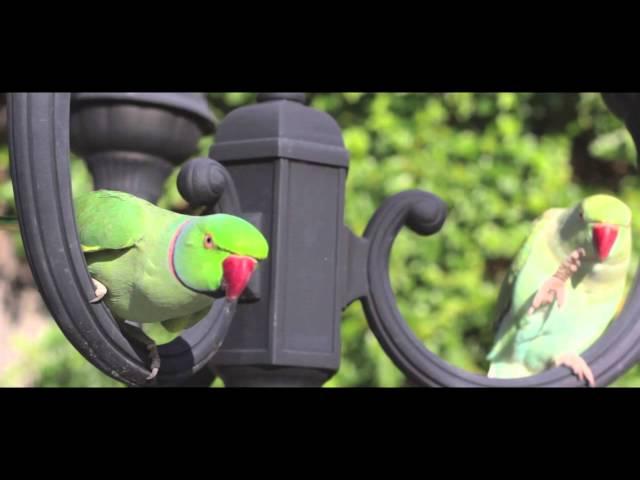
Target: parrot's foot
[[577, 365], [138, 335], [154, 356], [100, 292], [553, 288]]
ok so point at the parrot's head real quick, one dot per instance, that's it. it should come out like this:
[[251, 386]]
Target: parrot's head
[[216, 253], [603, 225]]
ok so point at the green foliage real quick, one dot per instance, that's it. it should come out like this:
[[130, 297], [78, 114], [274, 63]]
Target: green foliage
[[498, 161], [51, 361]]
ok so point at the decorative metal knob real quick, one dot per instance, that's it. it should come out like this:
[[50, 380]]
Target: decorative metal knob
[[273, 96]]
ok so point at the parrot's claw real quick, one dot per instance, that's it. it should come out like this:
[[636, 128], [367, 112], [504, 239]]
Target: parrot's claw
[[577, 365], [155, 360], [138, 335], [552, 288], [100, 291]]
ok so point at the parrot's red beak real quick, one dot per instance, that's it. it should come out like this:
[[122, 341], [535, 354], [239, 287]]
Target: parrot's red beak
[[237, 273], [604, 237]]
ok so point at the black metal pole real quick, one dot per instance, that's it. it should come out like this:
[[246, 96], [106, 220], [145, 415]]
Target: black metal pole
[[289, 165]]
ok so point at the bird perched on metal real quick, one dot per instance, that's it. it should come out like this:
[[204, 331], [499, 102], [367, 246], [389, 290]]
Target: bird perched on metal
[[563, 289], [153, 265]]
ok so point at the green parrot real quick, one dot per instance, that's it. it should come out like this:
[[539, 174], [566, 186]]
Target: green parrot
[[152, 265], [564, 287]]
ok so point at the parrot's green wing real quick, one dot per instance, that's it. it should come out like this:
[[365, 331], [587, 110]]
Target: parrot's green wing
[[109, 220], [504, 326]]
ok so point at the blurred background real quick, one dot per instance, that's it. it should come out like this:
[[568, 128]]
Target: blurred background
[[497, 159]]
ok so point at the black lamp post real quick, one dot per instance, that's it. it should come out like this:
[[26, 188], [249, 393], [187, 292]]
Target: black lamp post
[[132, 141], [289, 165], [281, 165]]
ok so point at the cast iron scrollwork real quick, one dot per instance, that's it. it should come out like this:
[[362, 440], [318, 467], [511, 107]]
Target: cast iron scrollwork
[[39, 143], [425, 213], [203, 181]]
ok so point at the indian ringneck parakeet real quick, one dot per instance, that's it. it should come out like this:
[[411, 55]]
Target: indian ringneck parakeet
[[152, 265], [563, 288]]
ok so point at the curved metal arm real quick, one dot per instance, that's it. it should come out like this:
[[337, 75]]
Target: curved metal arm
[[615, 352], [39, 146]]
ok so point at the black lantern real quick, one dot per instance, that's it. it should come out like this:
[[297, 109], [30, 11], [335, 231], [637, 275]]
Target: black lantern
[[132, 141], [282, 165]]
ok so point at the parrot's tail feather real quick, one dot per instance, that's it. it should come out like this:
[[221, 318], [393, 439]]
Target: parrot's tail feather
[[508, 370]]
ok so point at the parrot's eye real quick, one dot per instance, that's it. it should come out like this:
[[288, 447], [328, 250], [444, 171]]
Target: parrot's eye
[[208, 241], [581, 214]]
